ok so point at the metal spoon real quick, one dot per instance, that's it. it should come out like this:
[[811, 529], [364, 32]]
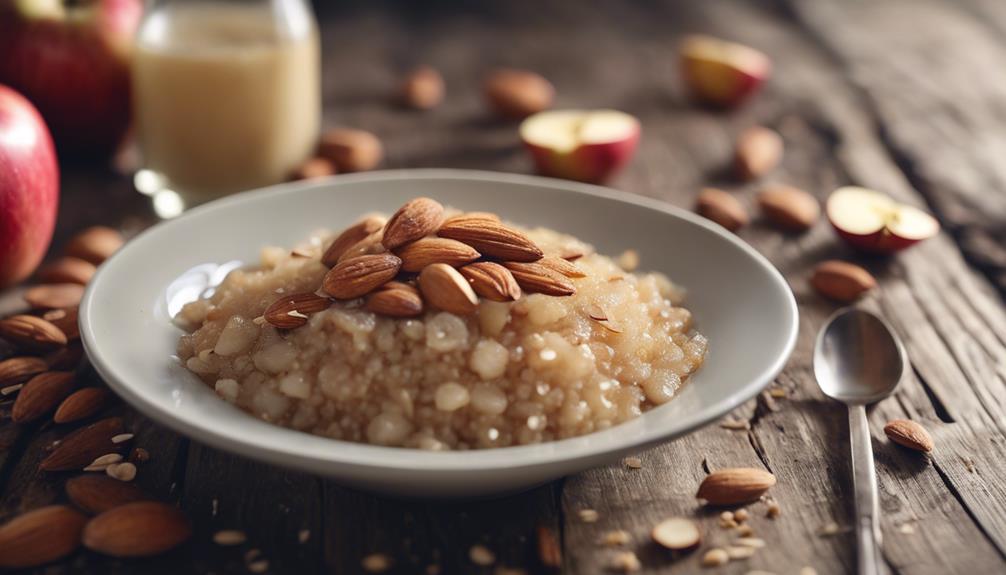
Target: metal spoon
[[859, 360]]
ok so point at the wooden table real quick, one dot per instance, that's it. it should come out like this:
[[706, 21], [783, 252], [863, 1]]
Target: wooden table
[[905, 96]]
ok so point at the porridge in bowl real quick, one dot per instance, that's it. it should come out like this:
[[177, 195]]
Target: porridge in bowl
[[439, 330]]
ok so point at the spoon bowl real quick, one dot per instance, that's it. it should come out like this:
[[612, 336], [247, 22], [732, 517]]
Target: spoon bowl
[[857, 358]]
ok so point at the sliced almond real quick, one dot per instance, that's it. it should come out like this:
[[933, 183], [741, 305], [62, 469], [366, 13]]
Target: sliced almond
[[418, 218], [138, 529], [82, 404], [32, 333], [910, 434], [549, 550], [350, 237], [401, 300], [757, 153], [564, 267], [95, 244], [735, 485], [789, 208], [20, 369], [351, 150], [841, 281], [491, 239], [359, 276], [425, 251], [517, 94], [66, 269], [677, 534], [49, 296], [445, 288], [83, 446], [491, 281], [536, 278], [41, 395], [124, 471], [722, 208], [423, 88], [292, 311], [40, 536], [66, 319], [98, 493]]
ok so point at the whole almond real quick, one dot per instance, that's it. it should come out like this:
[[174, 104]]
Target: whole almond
[[425, 251], [517, 94], [82, 404], [910, 434], [20, 369], [40, 536], [31, 333], [351, 150], [735, 485], [311, 168], [359, 276], [80, 448], [562, 266], [423, 88], [292, 311], [536, 278], [400, 300], [418, 218], [66, 320], [66, 358], [41, 395], [445, 288], [138, 529], [722, 208], [491, 239], [491, 281], [757, 153], [66, 269], [368, 246], [94, 493], [841, 281], [351, 236], [94, 244], [789, 208]]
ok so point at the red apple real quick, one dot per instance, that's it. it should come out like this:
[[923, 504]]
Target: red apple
[[584, 145], [72, 60], [29, 187], [721, 73], [873, 222]]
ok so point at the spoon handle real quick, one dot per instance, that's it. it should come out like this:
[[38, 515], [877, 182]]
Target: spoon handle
[[864, 479]]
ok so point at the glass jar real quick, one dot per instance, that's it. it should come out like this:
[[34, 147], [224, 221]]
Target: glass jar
[[227, 94]]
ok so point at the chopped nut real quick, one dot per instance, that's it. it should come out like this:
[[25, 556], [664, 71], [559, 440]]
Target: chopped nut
[[100, 463], [122, 438], [588, 515], [139, 455], [906, 528], [745, 530], [633, 462], [753, 542], [11, 389], [626, 562], [260, 566], [121, 471], [727, 523], [735, 552], [715, 557], [777, 392], [481, 555], [615, 538], [773, 510], [629, 260], [229, 537], [727, 516], [741, 515], [829, 529], [376, 563], [736, 424]]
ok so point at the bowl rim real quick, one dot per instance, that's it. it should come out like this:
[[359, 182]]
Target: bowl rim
[[301, 455]]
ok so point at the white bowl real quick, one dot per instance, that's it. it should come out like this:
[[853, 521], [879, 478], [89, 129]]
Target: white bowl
[[739, 301]]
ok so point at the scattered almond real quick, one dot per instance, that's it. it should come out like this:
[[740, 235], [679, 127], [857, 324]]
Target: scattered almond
[[31, 333], [359, 276], [66, 358], [125, 471], [517, 94], [757, 153], [49, 296], [789, 208], [95, 244], [906, 433], [20, 369], [350, 237], [549, 550], [715, 557], [66, 269], [139, 529], [423, 88], [81, 447], [536, 278], [416, 219], [66, 320], [445, 288], [735, 485], [633, 462], [564, 267], [311, 168], [841, 281], [626, 562], [98, 493], [229, 537], [491, 281], [722, 208], [588, 515], [425, 251], [615, 538], [491, 239], [400, 301], [742, 515], [351, 150], [40, 536], [81, 404], [292, 311], [677, 534], [41, 395]]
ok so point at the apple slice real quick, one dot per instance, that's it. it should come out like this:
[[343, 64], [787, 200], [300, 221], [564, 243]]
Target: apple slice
[[721, 73], [873, 222], [584, 145]]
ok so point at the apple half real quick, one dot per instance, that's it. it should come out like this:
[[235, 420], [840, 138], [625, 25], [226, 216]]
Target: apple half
[[721, 73], [583, 145], [873, 222]]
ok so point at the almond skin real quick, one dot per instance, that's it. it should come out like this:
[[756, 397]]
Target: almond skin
[[312, 168], [138, 529], [418, 218], [66, 358], [841, 281], [722, 208], [910, 434], [291, 311], [20, 369], [491, 281], [94, 493], [735, 485], [491, 239], [562, 266], [50, 296], [94, 244], [351, 150], [789, 208], [368, 246], [82, 404], [445, 288], [80, 448], [66, 269], [66, 319], [399, 301], [536, 278], [425, 251], [351, 236], [423, 88], [41, 395], [32, 333], [757, 153], [40, 536], [359, 276], [516, 94], [473, 216]]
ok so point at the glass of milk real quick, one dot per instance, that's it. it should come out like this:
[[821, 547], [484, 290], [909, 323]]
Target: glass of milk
[[227, 96]]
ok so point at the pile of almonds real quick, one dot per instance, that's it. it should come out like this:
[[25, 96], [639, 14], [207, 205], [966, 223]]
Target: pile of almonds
[[41, 379], [419, 259]]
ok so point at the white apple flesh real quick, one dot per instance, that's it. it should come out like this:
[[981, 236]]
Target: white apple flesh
[[583, 145], [873, 222]]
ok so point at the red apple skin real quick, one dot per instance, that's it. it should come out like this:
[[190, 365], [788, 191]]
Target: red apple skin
[[718, 84], [591, 163], [29, 187], [76, 70], [879, 242]]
